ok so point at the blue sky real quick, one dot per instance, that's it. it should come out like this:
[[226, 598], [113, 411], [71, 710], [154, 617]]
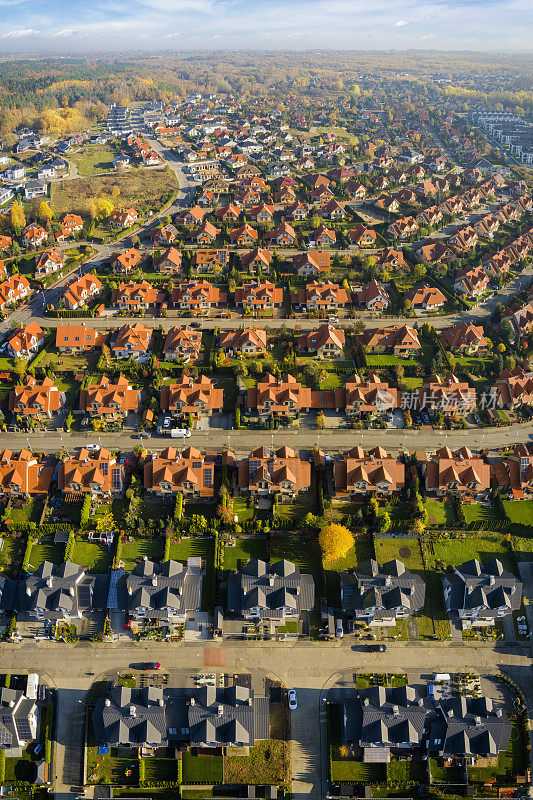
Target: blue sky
[[78, 25]]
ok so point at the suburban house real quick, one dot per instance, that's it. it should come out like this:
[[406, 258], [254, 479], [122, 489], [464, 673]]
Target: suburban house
[[402, 340], [360, 473], [471, 729], [464, 338], [380, 594], [279, 397], [132, 341], [479, 594], [244, 341], [182, 343], [25, 342], [283, 235], [456, 472], [448, 395], [515, 473], [425, 298], [38, 401], [326, 342], [267, 472], [370, 395], [48, 262], [514, 388], [257, 296], [25, 474], [34, 235], [165, 235], [361, 236], [13, 289], [270, 592], [110, 400], [70, 225], [256, 261], [123, 219], [60, 592], [233, 716], [311, 263], [126, 262], [244, 236], [131, 718], [72, 339], [323, 237], [471, 282], [211, 260], [134, 296], [166, 591], [321, 296], [190, 472], [94, 471], [197, 397], [170, 262], [19, 724], [78, 293], [198, 296], [373, 296]]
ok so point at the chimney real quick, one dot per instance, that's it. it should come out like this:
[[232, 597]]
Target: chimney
[[11, 704], [180, 590], [220, 710], [160, 702], [450, 712], [297, 591], [28, 591], [133, 711], [271, 580], [71, 591], [193, 701], [395, 709], [478, 721], [154, 580], [130, 590], [49, 581]]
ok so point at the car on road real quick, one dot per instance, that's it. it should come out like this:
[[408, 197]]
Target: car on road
[[333, 320], [92, 447], [339, 633], [194, 325], [141, 435], [293, 704], [166, 422], [377, 648], [152, 665]]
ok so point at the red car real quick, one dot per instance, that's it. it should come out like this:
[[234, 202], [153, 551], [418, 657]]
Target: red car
[[152, 665]]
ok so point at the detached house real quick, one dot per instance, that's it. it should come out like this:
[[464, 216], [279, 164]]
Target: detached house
[[48, 262], [71, 339], [245, 341], [126, 262], [245, 235], [257, 296], [190, 472], [25, 474], [256, 261], [197, 397], [170, 262], [205, 234], [325, 342], [182, 343], [361, 236], [379, 594], [448, 395], [425, 298], [321, 297], [324, 237], [59, 592], [34, 235], [211, 260], [25, 342], [370, 395], [284, 235], [464, 338], [133, 296], [198, 296], [123, 219], [457, 472], [110, 401], [81, 291], [514, 388], [91, 471], [373, 296], [401, 340], [311, 263], [38, 401], [271, 592], [132, 341], [471, 282], [283, 397], [361, 473]]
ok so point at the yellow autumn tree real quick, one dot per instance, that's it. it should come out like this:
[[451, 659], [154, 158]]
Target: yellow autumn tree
[[101, 207], [45, 213], [335, 541], [18, 219]]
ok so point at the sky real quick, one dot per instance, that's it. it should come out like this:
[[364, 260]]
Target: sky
[[117, 25]]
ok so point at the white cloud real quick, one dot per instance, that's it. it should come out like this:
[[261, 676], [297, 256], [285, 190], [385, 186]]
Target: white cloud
[[171, 35], [429, 36], [400, 23], [64, 33], [17, 34]]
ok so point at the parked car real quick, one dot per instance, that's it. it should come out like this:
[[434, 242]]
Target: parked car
[[152, 665], [377, 648], [194, 325], [293, 705], [339, 633]]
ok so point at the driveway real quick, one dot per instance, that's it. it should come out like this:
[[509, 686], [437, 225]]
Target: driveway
[[306, 745]]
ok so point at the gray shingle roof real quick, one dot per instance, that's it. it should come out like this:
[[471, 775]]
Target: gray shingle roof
[[487, 587], [274, 589], [381, 590], [131, 716], [230, 716], [160, 590]]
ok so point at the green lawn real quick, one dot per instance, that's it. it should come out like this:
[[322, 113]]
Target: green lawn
[[383, 360], [406, 770], [267, 763], [46, 551], [246, 548], [93, 555], [440, 513], [475, 512], [160, 769], [483, 546], [412, 383], [241, 508], [301, 550], [204, 547], [202, 769], [442, 774], [519, 511], [226, 381], [331, 381], [11, 555], [138, 548], [93, 159], [388, 549], [523, 548], [303, 504], [30, 512], [512, 762]]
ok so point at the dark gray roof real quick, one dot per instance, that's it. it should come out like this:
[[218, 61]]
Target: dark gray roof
[[131, 716], [392, 717], [382, 590], [17, 720], [230, 716], [270, 590], [488, 587], [469, 726], [55, 590], [8, 590], [160, 590]]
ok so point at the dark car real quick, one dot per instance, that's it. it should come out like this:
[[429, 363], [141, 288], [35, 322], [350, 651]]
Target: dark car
[[377, 648], [194, 325]]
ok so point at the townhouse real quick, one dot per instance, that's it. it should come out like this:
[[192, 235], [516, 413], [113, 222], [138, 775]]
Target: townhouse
[[401, 340], [448, 395], [480, 594], [134, 296], [78, 293], [283, 396], [311, 263], [198, 397], [72, 339], [270, 592], [380, 594], [37, 401], [96, 472], [25, 474], [198, 296], [326, 296], [166, 592], [402, 228], [245, 341], [182, 343], [259, 296], [359, 473], [370, 395], [472, 282], [325, 342], [190, 472], [267, 472], [110, 401], [455, 472], [463, 240], [132, 341], [25, 342], [514, 388]]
